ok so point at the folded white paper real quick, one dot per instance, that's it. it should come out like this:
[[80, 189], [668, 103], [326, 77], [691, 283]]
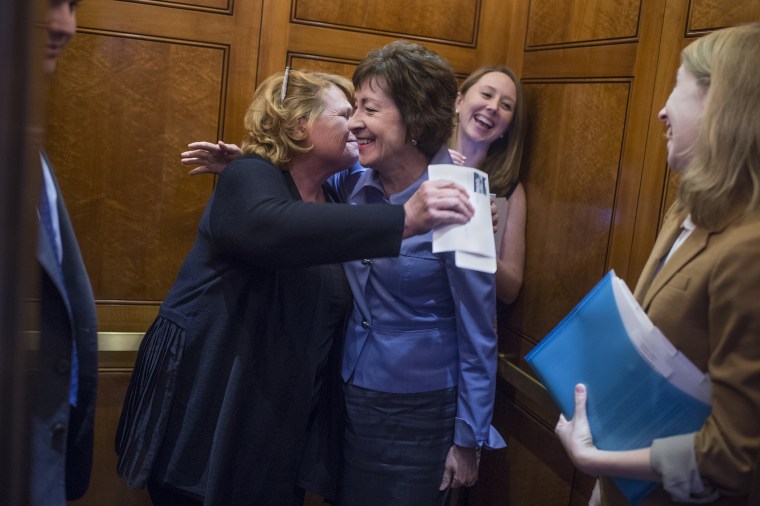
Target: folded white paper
[[473, 242]]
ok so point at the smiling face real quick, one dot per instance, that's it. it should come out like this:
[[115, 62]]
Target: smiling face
[[379, 128], [681, 117], [334, 144], [485, 109], [62, 25]]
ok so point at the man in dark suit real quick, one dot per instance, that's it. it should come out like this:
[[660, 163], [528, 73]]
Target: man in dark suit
[[63, 395]]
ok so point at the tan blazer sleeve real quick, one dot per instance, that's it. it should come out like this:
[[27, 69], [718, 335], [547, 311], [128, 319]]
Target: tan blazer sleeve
[[727, 445]]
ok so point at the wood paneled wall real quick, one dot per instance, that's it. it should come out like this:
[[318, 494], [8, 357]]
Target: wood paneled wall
[[144, 77]]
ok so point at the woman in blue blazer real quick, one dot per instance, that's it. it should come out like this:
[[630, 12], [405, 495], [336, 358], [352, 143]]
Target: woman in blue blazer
[[419, 360]]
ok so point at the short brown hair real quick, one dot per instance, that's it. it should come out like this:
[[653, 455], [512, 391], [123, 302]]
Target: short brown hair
[[272, 124], [421, 84]]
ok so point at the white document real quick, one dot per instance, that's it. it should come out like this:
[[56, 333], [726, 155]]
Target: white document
[[656, 349], [473, 242]]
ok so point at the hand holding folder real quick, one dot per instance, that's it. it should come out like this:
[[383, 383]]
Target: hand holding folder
[[639, 387]]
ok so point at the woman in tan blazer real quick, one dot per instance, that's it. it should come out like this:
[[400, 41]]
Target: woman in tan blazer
[[701, 284]]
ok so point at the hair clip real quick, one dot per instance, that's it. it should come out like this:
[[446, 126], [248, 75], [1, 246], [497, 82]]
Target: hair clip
[[284, 89]]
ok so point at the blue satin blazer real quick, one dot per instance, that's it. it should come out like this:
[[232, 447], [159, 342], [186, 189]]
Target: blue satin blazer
[[420, 323]]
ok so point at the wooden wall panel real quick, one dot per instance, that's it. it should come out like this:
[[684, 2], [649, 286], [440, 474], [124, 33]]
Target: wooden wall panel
[[134, 208], [337, 66], [553, 22], [396, 18], [138, 82], [628, 69], [588, 72], [713, 14], [468, 34], [106, 487], [225, 6], [574, 173]]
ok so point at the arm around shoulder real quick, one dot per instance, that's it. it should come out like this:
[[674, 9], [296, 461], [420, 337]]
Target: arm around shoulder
[[257, 217]]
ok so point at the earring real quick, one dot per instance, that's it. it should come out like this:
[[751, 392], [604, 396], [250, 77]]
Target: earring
[[413, 142]]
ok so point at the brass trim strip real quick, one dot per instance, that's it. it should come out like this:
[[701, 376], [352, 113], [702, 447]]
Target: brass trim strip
[[119, 341], [107, 341], [522, 381], [529, 392]]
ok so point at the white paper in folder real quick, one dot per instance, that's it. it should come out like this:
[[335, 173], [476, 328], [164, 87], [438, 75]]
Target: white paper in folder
[[656, 349]]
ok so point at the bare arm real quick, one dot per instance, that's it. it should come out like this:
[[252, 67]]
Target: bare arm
[[209, 158], [511, 261]]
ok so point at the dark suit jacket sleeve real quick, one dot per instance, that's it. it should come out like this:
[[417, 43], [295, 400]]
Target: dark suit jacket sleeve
[[256, 216], [68, 314]]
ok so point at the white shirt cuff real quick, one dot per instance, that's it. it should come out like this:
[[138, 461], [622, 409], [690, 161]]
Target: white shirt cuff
[[673, 458]]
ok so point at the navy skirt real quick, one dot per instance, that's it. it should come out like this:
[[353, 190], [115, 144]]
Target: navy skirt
[[148, 401], [396, 447]]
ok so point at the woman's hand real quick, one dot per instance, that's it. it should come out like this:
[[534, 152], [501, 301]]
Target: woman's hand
[[457, 157], [461, 468], [436, 203], [210, 158], [575, 435]]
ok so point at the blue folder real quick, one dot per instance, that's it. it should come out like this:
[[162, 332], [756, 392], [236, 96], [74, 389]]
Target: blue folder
[[629, 403]]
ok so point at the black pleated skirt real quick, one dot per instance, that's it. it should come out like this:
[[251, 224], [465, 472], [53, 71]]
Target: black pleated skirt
[[148, 401], [396, 447]]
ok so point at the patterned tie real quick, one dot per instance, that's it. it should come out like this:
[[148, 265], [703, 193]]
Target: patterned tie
[[46, 219]]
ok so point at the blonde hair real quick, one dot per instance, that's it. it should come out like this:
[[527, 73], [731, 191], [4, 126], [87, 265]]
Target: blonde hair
[[504, 158], [722, 179], [273, 125]]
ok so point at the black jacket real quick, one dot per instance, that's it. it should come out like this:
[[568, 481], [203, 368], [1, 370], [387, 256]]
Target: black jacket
[[62, 436], [253, 298]]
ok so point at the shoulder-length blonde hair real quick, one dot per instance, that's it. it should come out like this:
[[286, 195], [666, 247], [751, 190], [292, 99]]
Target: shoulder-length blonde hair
[[504, 158], [273, 125], [722, 180]]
